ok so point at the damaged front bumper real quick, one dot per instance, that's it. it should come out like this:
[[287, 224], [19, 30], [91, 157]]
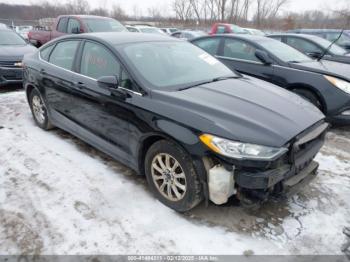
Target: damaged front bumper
[[282, 180]]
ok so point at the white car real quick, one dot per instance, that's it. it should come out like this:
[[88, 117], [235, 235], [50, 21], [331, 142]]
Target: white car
[[169, 30], [23, 30], [253, 31], [145, 29]]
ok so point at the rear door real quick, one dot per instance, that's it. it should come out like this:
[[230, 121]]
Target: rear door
[[57, 77], [240, 55]]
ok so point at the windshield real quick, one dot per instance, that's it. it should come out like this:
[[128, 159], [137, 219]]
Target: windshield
[[103, 25], [10, 38], [335, 49], [284, 52], [174, 64]]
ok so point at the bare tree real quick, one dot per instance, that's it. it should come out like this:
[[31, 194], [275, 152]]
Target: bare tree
[[266, 9]]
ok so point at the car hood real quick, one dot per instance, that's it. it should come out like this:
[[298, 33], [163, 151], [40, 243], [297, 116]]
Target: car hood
[[246, 109], [325, 67], [15, 53]]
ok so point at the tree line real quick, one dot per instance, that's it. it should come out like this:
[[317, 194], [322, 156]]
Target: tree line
[[263, 14]]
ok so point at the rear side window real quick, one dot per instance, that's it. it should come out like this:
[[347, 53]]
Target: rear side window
[[45, 53], [63, 54], [73, 26], [239, 50], [210, 45], [98, 61], [62, 25]]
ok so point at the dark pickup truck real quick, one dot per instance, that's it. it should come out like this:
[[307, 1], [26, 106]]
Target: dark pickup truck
[[75, 24]]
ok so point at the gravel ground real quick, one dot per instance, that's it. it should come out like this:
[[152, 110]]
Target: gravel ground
[[58, 195]]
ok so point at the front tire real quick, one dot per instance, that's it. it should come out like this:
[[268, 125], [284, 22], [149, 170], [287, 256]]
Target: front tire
[[171, 176], [39, 110]]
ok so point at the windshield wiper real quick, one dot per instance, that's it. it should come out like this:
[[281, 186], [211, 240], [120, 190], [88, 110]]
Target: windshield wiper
[[294, 62], [330, 46], [216, 79]]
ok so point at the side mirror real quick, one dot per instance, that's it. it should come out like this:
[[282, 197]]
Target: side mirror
[[314, 55], [263, 57], [108, 82]]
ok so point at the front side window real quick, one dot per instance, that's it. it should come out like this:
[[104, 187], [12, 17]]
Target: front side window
[[63, 54], [97, 61], [62, 25], [283, 52], [238, 49], [172, 65], [73, 26], [303, 45], [210, 45]]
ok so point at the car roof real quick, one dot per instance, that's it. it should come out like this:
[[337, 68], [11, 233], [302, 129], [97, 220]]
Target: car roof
[[296, 35], [252, 38], [315, 30], [118, 38], [85, 16]]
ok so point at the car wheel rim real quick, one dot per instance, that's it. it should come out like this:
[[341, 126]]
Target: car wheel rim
[[38, 109], [169, 177]]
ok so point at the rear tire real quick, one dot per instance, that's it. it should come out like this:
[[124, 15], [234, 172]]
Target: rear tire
[[309, 96], [39, 110], [171, 176]]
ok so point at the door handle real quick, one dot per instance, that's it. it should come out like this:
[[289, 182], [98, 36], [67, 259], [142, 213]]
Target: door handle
[[43, 71]]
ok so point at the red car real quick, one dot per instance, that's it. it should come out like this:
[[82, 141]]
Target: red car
[[75, 24], [221, 28]]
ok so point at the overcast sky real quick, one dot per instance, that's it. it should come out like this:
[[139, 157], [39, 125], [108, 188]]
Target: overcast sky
[[165, 5]]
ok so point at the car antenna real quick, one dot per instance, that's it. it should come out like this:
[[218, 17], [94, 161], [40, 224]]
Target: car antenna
[[330, 46]]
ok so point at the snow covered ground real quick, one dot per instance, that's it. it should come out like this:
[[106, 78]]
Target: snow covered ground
[[61, 196]]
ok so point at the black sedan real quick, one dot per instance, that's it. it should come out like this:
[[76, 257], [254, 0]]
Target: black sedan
[[315, 47], [12, 49], [326, 83], [171, 111]]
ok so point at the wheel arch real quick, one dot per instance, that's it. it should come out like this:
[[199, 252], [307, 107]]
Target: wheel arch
[[313, 90]]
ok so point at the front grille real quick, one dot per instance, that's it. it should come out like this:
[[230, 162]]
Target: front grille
[[306, 146], [9, 64], [14, 74]]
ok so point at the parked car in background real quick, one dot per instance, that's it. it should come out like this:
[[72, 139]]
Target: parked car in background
[[329, 34], [23, 30], [75, 24], [253, 31], [188, 34], [12, 49], [145, 29], [315, 47], [3, 26], [132, 29], [221, 28], [326, 84], [169, 30], [195, 128]]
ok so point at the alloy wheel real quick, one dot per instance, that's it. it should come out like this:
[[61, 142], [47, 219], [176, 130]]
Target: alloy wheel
[[169, 177]]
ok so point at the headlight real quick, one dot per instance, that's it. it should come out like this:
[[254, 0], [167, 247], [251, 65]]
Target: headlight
[[341, 84], [240, 150]]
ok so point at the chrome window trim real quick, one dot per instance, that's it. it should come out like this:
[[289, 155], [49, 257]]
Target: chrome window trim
[[90, 78], [239, 60]]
